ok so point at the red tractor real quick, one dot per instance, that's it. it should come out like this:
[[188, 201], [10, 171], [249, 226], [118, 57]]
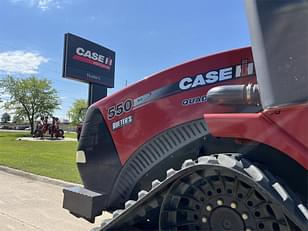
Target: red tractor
[[218, 143], [53, 129]]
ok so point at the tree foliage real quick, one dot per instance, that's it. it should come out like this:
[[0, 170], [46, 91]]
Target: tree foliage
[[5, 117], [77, 112], [18, 119], [30, 97]]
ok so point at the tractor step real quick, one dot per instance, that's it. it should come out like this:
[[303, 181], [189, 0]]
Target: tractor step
[[83, 203]]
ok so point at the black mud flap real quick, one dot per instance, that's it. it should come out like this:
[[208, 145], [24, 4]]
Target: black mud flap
[[83, 203]]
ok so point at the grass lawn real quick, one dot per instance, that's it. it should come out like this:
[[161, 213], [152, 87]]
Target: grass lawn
[[52, 159], [70, 135]]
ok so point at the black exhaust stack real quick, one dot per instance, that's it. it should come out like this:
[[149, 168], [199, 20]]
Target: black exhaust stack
[[279, 34]]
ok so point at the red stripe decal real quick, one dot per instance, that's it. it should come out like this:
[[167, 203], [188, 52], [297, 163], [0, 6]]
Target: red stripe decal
[[90, 61]]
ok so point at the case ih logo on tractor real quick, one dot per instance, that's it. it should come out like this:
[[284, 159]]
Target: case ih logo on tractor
[[220, 75], [217, 143]]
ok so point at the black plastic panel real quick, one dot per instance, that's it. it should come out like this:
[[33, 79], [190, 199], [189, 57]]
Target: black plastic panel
[[152, 159], [102, 160]]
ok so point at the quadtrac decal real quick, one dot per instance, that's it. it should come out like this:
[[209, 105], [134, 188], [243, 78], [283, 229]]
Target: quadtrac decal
[[194, 100], [122, 122]]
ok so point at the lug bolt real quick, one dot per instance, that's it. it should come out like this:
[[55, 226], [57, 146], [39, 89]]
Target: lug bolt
[[220, 202], [209, 208], [244, 216], [233, 205], [204, 219]]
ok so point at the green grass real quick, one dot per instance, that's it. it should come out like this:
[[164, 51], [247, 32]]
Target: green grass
[[52, 159], [70, 135]]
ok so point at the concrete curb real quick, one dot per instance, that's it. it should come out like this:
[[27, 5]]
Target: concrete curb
[[32, 176], [46, 139]]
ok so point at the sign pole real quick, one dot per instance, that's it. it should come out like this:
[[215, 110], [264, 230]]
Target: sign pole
[[96, 92], [90, 95]]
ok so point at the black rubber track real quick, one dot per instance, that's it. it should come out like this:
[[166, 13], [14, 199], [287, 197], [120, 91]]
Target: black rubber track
[[214, 192]]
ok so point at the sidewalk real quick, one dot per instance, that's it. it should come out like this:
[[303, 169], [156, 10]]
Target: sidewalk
[[30, 205]]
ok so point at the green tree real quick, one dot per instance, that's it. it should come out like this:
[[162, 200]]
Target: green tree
[[77, 112], [5, 117], [30, 97], [18, 120]]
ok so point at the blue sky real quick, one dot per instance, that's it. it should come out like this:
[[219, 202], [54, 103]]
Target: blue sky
[[147, 36]]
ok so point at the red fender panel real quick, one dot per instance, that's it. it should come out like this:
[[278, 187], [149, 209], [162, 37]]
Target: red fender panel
[[284, 129]]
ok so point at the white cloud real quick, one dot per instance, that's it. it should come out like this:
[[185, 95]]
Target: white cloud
[[20, 62], [4, 96], [63, 98], [42, 4]]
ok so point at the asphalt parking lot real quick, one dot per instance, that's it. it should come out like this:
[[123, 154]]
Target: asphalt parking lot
[[31, 205]]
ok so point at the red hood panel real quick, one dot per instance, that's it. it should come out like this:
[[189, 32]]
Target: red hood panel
[[172, 97]]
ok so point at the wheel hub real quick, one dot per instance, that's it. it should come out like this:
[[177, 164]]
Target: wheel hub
[[219, 200], [224, 218]]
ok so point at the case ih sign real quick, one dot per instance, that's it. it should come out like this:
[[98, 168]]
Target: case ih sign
[[87, 61]]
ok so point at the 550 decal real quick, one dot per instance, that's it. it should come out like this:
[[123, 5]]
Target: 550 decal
[[120, 108]]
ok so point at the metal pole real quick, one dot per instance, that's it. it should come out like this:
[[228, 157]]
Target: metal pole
[[96, 92]]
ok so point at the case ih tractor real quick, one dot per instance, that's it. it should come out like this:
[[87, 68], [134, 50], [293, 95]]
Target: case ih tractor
[[218, 143]]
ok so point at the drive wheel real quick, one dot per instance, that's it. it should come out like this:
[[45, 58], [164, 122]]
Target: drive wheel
[[38, 133], [218, 198], [60, 133]]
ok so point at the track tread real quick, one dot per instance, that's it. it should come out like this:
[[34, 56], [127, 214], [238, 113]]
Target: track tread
[[296, 210]]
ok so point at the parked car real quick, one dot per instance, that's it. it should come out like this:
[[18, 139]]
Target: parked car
[[21, 127], [5, 127]]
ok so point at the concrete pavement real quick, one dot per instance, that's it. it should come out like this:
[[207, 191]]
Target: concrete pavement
[[31, 205]]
